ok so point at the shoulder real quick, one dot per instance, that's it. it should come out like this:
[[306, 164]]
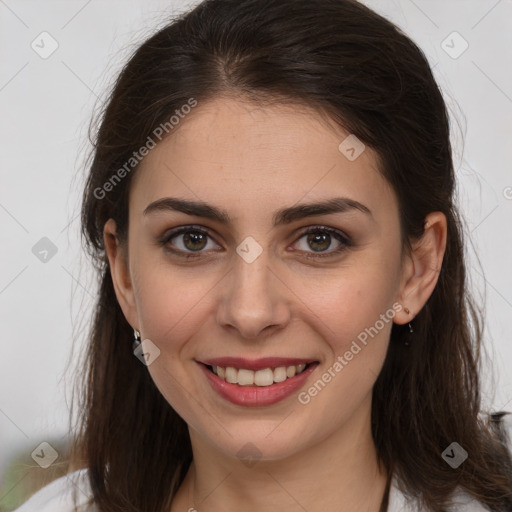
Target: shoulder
[[461, 501], [59, 495]]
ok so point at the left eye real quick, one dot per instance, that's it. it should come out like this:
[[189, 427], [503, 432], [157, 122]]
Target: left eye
[[319, 239]]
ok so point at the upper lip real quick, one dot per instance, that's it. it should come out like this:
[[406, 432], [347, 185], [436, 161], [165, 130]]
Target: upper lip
[[255, 364]]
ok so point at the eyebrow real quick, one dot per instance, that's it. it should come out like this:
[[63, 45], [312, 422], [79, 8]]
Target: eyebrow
[[283, 216]]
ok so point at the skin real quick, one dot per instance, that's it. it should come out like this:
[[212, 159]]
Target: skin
[[250, 161]]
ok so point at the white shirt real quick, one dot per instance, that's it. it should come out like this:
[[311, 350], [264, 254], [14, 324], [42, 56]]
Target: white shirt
[[58, 495]]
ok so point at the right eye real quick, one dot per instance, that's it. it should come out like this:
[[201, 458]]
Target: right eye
[[191, 241]]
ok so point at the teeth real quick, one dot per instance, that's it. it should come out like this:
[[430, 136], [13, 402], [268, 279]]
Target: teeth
[[265, 377], [245, 377], [261, 377], [231, 375], [280, 374]]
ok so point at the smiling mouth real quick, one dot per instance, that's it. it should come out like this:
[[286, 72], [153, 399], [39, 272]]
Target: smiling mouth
[[264, 377]]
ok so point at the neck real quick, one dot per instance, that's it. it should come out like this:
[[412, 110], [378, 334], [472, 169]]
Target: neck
[[338, 473]]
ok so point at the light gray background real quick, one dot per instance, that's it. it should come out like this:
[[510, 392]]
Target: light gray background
[[46, 105]]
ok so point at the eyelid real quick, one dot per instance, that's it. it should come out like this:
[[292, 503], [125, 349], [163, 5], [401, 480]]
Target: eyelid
[[326, 229]]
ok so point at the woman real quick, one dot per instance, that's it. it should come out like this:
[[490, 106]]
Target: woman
[[283, 320]]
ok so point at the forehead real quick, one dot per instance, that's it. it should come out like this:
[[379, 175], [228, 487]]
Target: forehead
[[237, 154]]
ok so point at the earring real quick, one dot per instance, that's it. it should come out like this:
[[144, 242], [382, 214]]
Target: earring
[[406, 343], [136, 337]]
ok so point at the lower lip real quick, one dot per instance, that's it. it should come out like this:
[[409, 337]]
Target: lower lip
[[255, 396]]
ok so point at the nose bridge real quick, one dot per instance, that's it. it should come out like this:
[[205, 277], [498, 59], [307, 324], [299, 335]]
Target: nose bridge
[[251, 302]]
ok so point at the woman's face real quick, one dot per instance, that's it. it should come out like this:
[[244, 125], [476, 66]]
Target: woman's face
[[253, 284]]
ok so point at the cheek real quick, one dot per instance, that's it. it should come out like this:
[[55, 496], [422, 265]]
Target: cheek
[[354, 315], [170, 302], [353, 303], [356, 323], [171, 305]]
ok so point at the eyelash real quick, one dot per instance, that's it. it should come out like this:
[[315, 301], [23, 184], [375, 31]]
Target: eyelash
[[345, 241]]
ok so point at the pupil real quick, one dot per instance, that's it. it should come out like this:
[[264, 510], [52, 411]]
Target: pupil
[[194, 238], [324, 238]]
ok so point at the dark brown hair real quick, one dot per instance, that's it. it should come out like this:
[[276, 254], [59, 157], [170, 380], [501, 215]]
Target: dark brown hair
[[345, 60]]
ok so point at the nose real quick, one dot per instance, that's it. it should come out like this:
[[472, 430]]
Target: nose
[[254, 299]]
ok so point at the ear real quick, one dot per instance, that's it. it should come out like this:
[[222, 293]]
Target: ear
[[119, 270], [421, 267]]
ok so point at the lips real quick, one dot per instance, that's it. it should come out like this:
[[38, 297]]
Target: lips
[[256, 382]]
